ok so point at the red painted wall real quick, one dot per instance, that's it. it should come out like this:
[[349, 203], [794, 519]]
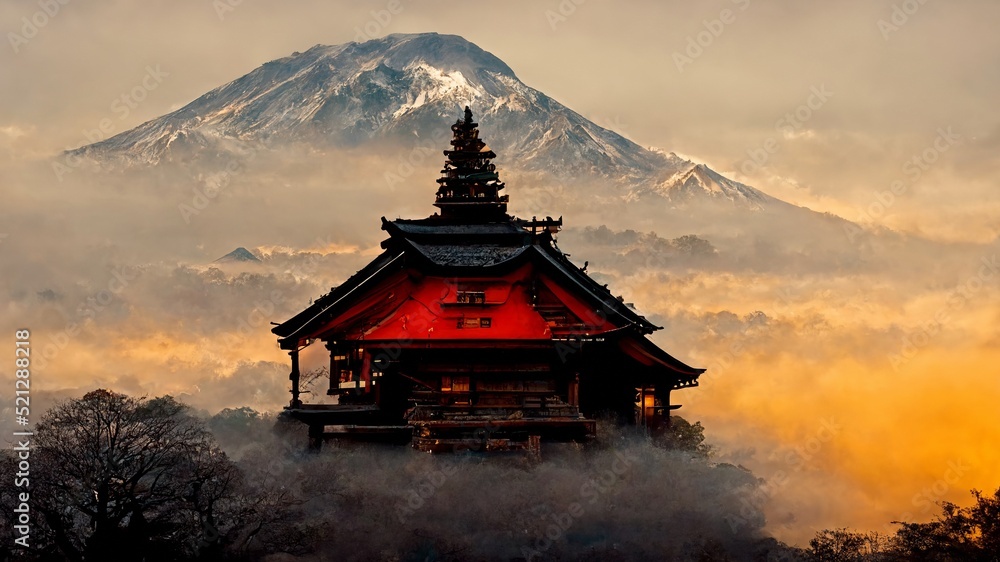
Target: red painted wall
[[404, 309]]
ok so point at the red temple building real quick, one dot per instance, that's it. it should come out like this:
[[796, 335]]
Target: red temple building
[[473, 327]]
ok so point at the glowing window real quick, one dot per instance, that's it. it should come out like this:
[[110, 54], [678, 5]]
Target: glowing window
[[470, 297]]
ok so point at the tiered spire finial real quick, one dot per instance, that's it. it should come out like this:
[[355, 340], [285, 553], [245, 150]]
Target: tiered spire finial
[[469, 184]]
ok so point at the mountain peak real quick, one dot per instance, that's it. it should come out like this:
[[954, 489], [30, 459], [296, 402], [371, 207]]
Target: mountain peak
[[401, 86], [447, 52], [240, 254], [696, 181]]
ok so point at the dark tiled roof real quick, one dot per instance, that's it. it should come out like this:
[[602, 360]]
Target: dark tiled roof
[[386, 262], [478, 255], [429, 227], [462, 249], [641, 347], [599, 294]]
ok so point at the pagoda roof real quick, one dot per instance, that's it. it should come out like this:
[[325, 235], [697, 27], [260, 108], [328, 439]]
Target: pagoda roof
[[469, 186], [380, 268], [474, 238], [463, 250], [464, 255], [649, 354], [427, 227]]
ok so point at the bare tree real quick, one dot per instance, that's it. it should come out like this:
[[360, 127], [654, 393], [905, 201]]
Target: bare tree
[[124, 478]]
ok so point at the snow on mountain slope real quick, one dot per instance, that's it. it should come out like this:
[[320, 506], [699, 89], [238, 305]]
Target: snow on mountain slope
[[407, 85], [698, 181]]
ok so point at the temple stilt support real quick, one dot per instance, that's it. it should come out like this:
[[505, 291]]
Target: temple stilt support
[[573, 394], [294, 377], [315, 438], [331, 346], [534, 449]]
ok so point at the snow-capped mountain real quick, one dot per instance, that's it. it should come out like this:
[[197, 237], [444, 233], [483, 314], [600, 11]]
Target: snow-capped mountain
[[698, 181], [408, 86]]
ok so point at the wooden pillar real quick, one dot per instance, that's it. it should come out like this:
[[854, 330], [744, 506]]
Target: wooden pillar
[[315, 437], [666, 409], [574, 390], [366, 370], [334, 367], [641, 414], [294, 377], [534, 449]]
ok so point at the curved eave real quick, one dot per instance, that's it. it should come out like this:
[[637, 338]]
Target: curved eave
[[439, 231], [594, 291], [413, 234], [288, 331], [649, 354]]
